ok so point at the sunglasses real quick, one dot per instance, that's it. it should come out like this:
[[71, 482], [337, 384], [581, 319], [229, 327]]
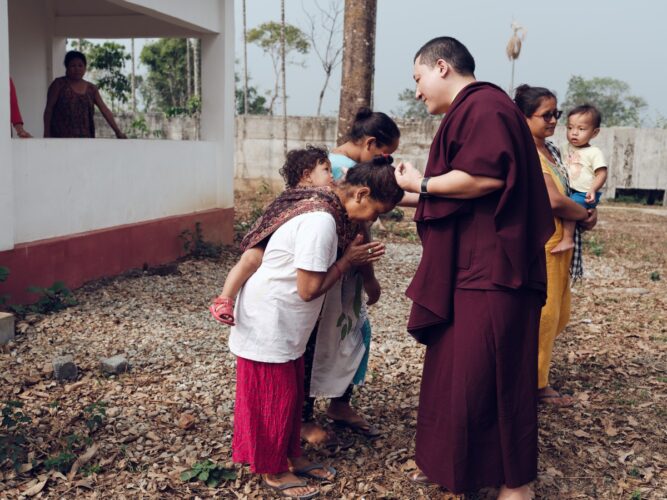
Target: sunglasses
[[549, 115]]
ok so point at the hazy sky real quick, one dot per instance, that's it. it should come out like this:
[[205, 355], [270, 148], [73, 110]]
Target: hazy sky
[[621, 39]]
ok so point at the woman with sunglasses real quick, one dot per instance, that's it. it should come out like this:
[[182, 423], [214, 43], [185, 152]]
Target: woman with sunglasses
[[539, 105]]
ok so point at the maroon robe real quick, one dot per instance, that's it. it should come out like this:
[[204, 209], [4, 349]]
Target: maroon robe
[[477, 295]]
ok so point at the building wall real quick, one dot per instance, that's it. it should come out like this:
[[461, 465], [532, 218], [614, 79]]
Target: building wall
[[90, 184]]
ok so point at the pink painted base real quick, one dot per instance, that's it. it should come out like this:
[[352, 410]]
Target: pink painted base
[[83, 257]]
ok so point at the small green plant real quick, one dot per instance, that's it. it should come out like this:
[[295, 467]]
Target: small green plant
[[89, 469], [634, 472], [95, 413], [209, 473], [62, 462], [655, 276], [636, 495], [138, 128], [595, 246], [195, 246], [52, 299], [12, 440]]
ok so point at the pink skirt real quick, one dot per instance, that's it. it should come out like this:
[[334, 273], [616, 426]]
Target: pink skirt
[[267, 414]]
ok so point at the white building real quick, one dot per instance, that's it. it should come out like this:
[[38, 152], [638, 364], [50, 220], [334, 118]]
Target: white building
[[80, 209]]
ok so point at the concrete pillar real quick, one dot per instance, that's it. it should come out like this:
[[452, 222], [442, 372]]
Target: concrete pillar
[[6, 165], [217, 82]]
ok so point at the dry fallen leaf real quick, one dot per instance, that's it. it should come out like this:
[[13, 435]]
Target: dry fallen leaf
[[36, 488], [83, 459], [186, 421]]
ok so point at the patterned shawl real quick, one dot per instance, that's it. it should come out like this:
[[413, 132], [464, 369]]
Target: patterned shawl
[[297, 201], [577, 264]]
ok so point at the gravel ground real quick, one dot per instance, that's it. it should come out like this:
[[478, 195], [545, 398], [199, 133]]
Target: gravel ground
[[174, 408]]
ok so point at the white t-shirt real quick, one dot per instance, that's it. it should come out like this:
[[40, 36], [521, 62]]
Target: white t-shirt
[[582, 164], [272, 322]]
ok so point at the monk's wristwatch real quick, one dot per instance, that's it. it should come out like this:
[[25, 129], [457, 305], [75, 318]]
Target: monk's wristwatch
[[423, 190]]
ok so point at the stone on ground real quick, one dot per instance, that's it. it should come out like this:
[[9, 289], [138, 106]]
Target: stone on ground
[[115, 365], [64, 368], [6, 327]]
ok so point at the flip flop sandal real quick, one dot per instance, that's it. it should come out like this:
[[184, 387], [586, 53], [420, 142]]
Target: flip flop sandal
[[365, 429], [222, 310], [280, 488], [307, 472]]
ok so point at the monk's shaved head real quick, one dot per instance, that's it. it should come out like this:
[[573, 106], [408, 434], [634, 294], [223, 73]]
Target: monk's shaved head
[[449, 49]]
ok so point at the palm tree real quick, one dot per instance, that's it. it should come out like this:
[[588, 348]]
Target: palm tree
[[513, 48], [282, 70], [356, 88], [245, 62]]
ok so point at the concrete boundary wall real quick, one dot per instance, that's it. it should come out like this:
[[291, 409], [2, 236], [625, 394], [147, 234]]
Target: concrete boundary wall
[[637, 158]]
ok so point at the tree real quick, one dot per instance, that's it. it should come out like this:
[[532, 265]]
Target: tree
[[109, 60], [358, 61], [612, 97], [412, 108], [324, 36], [256, 102], [267, 37], [167, 76]]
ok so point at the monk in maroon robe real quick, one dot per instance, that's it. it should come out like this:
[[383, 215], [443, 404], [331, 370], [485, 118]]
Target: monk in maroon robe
[[483, 216]]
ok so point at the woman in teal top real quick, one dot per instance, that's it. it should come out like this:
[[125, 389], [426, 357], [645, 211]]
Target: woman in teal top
[[346, 326]]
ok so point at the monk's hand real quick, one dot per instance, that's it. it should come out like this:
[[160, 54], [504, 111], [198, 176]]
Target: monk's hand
[[372, 289], [408, 177], [359, 253], [589, 223]]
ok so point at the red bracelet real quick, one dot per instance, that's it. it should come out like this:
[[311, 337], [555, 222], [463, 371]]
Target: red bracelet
[[340, 273]]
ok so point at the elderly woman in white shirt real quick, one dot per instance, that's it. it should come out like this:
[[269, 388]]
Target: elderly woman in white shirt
[[278, 307]]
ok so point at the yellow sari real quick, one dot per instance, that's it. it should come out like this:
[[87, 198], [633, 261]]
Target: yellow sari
[[556, 310]]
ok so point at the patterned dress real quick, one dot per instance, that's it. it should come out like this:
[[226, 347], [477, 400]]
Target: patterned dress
[[72, 115]]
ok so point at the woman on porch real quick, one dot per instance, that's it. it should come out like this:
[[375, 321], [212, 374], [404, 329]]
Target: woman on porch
[[71, 101]]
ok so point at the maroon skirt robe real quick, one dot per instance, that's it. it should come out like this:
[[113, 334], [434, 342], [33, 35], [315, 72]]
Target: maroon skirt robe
[[477, 295]]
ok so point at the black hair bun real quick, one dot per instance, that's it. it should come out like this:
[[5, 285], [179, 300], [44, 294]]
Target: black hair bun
[[363, 113], [380, 160]]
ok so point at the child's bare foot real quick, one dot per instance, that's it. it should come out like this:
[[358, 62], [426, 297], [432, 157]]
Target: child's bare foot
[[563, 246], [549, 395], [524, 492], [289, 485], [344, 415], [315, 433]]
